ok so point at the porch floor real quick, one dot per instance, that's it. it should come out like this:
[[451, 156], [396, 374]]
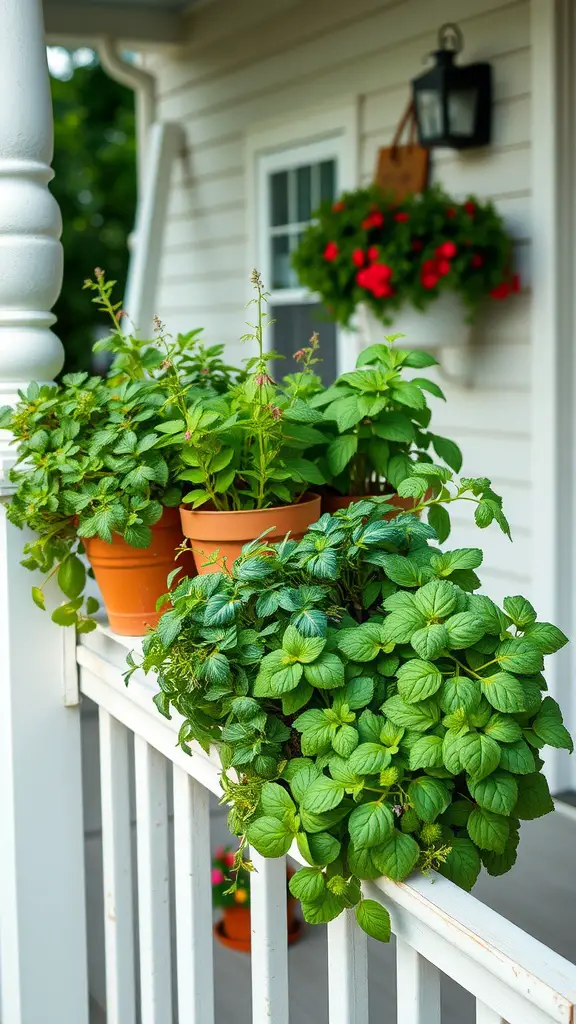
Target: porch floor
[[538, 896]]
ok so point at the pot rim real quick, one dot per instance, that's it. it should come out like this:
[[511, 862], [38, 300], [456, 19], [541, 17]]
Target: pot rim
[[310, 496]]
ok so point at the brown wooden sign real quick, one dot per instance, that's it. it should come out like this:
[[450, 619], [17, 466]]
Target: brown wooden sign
[[403, 169]]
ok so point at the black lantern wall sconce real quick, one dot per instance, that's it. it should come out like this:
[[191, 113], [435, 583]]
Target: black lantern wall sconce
[[453, 102]]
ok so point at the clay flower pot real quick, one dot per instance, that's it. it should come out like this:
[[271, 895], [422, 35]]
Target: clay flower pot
[[132, 579], [331, 503], [234, 931], [227, 532]]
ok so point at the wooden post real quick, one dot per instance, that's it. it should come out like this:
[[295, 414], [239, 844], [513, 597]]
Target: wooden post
[[43, 935]]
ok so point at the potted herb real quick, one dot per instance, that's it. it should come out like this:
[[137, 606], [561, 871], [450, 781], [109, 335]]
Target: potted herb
[[89, 478], [243, 456], [367, 703], [231, 893], [379, 419], [391, 263]]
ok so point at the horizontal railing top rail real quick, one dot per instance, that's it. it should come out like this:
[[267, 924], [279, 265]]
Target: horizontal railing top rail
[[439, 927]]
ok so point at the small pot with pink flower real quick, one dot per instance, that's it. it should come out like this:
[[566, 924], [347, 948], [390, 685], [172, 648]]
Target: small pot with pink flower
[[421, 268], [231, 893]]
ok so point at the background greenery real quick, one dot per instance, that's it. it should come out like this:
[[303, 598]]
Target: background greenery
[[95, 185]]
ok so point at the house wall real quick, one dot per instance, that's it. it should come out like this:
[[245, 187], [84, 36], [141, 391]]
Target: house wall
[[243, 70]]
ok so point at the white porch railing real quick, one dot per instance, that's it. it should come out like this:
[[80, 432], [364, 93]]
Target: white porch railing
[[439, 929]]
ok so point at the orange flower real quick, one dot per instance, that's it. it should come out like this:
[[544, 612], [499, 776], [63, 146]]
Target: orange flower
[[241, 896]]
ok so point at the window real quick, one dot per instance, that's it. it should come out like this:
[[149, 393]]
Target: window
[[292, 184]]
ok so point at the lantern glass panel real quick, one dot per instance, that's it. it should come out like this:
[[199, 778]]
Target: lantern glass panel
[[462, 105], [429, 111]]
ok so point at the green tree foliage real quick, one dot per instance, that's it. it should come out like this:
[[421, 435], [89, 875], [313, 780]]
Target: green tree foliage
[[95, 186]]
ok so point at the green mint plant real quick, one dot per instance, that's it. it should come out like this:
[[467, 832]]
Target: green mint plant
[[367, 704], [243, 449], [88, 463]]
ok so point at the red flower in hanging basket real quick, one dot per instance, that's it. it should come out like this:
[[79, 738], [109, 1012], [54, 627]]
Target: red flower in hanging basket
[[429, 280], [516, 284], [470, 208], [448, 250], [501, 291], [375, 279], [373, 253], [450, 212], [358, 257], [401, 217], [477, 260], [373, 220], [443, 267], [331, 252], [338, 207]]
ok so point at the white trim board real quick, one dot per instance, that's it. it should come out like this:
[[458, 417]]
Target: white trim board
[[553, 373]]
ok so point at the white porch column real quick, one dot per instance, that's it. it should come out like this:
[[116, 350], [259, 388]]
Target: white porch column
[[42, 918]]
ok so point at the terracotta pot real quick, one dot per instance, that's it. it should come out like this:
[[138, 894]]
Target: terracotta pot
[[229, 531], [234, 931], [331, 503], [132, 579]]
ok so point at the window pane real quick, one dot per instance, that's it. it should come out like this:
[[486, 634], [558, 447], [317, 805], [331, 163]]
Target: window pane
[[304, 185], [279, 198], [281, 269], [430, 115], [292, 330], [462, 111], [327, 180]]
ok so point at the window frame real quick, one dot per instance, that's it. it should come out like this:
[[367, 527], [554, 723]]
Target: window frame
[[324, 133]]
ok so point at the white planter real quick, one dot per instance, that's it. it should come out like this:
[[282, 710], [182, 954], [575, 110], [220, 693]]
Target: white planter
[[441, 325]]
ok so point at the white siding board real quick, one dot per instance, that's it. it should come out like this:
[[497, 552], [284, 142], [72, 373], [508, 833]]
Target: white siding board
[[236, 76]]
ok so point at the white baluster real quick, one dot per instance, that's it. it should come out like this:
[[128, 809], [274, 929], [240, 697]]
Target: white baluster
[[153, 891], [43, 947], [269, 929], [418, 987], [484, 1015], [117, 869], [193, 900], [347, 971]]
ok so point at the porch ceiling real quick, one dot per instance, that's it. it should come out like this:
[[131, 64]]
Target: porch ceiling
[[139, 22]]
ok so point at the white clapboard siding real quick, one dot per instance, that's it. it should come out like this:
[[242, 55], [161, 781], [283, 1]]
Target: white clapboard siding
[[243, 70]]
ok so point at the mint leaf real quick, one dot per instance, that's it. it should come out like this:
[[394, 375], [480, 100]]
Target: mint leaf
[[276, 802], [534, 798], [326, 673], [487, 830], [503, 728], [370, 824], [307, 884], [464, 630], [324, 794], [340, 451], [519, 655], [426, 752], [362, 643], [418, 717], [302, 780], [462, 865], [436, 600], [549, 728], [304, 648], [479, 754], [361, 862], [429, 798], [546, 637], [507, 693], [374, 919], [498, 792], [324, 911], [369, 759], [520, 611], [270, 836], [397, 856], [345, 740], [430, 641], [517, 758], [418, 680], [460, 692], [72, 576]]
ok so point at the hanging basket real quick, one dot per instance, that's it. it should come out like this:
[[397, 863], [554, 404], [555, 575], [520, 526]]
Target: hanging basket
[[442, 325]]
